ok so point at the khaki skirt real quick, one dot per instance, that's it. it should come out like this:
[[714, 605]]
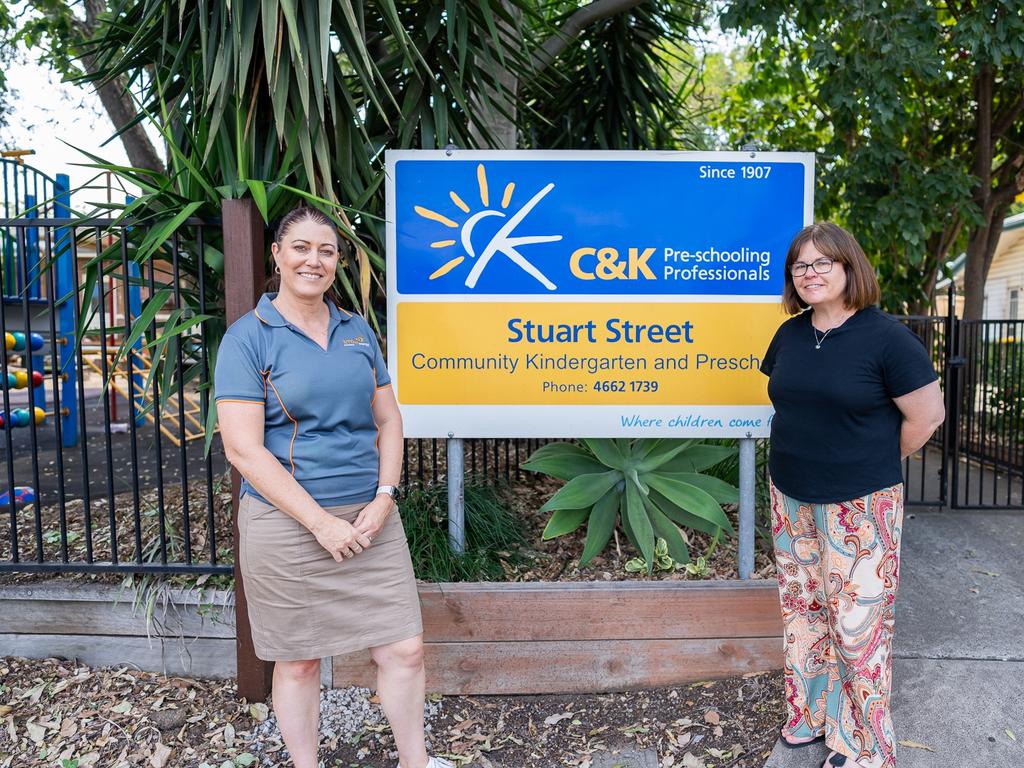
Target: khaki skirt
[[304, 605]]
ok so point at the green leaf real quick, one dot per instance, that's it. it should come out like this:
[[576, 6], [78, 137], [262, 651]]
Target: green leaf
[[682, 517], [690, 498], [259, 196], [600, 527], [563, 521], [667, 530], [721, 491], [640, 523], [140, 324], [624, 519], [582, 491], [606, 451], [665, 451], [563, 460], [158, 236], [698, 457]]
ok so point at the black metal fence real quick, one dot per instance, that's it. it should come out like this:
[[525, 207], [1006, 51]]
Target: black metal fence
[[926, 475], [985, 392], [107, 399], [976, 459], [486, 461], [109, 337]]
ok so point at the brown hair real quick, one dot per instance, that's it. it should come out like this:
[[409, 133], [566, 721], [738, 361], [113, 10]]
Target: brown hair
[[840, 246], [305, 213]]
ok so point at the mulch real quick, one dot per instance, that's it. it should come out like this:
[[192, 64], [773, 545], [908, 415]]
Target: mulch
[[59, 713]]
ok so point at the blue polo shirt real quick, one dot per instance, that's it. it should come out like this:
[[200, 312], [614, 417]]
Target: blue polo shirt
[[317, 413]]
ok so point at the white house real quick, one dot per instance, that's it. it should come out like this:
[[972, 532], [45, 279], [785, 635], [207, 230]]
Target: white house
[[1004, 289]]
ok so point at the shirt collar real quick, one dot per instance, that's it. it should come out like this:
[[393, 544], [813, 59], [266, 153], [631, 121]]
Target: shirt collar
[[267, 313]]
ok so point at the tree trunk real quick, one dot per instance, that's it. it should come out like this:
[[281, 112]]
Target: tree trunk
[[494, 124], [116, 101], [121, 111], [500, 124], [976, 268]]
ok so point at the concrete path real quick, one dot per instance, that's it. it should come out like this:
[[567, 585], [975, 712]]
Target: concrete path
[[959, 652]]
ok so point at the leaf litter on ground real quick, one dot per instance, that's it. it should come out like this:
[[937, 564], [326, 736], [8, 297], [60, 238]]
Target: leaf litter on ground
[[60, 713]]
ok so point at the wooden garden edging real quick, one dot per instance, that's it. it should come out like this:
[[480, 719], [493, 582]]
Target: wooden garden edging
[[99, 626], [481, 638], [588, 636]]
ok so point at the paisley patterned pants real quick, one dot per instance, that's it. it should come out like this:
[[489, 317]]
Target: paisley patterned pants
[[839, 570]]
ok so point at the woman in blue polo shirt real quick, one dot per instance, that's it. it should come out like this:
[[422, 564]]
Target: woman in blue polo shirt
[[308, 418], [854, 392]]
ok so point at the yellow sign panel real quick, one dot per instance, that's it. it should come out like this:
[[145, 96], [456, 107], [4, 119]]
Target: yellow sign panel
[[583, 353]]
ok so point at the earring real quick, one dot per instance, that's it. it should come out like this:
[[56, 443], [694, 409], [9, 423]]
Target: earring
[[277, 268]]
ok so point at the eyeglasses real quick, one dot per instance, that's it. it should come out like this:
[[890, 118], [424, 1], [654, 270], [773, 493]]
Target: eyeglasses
[[820, 266]]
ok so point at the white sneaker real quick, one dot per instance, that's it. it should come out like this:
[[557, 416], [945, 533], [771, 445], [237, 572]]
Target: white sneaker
[[437, 762]]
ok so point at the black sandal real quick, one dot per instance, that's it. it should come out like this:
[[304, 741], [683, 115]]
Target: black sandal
[[798, 744], [834, 760]]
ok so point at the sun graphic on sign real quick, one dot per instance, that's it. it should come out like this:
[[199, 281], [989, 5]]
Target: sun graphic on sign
[[501, 242]]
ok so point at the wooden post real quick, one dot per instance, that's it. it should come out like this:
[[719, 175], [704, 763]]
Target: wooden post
[[244, 278]]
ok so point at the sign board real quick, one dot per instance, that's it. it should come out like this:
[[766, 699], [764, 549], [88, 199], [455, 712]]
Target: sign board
[[587, 294]]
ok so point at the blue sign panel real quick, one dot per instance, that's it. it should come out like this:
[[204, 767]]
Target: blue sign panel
[[555, 226]]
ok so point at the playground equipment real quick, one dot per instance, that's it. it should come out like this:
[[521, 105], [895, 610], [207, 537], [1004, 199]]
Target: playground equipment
[[17, 379], [16, 341], [37, 273], [41, 286], [23, 494], [20, 417], [132, 387]]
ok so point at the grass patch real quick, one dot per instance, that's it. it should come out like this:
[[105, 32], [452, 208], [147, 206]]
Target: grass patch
[[493, 534]]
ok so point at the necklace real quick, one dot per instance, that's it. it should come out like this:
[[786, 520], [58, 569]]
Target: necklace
[[817, 341]]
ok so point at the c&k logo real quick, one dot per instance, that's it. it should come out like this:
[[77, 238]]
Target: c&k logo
[[585, 263], [606, 264], [501, 242]]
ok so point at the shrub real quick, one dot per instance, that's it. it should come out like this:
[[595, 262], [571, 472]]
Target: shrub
[[493, 533]]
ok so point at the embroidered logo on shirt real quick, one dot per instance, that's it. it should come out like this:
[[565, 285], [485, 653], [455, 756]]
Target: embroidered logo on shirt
[[356, 341]]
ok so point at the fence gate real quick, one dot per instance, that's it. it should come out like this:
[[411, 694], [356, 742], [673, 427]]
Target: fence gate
[[985, 412], [926, 475]]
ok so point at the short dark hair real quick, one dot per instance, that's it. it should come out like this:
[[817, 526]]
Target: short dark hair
[[315, 215], [839, 245]]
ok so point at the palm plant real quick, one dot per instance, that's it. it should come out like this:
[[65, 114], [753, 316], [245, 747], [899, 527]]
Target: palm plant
[[284, 101]]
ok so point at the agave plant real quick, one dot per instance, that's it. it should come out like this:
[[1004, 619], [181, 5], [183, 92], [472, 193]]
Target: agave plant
[[653, 486]]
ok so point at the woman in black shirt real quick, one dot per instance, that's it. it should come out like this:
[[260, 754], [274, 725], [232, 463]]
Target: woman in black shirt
[[854, 392]]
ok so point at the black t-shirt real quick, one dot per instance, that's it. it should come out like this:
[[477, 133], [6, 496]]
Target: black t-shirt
[[836, 431]]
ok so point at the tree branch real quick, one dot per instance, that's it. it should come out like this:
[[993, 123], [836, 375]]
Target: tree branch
[[1007, 116], [1005, 194], [589, 14]]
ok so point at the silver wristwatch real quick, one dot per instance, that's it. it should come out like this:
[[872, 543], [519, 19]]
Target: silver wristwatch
[[390, 490]]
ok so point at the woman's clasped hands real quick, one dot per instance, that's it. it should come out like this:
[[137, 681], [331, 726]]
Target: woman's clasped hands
[[340, 537], [344, 539]]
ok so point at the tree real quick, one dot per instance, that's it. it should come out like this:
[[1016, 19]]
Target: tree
[[915, 108]]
